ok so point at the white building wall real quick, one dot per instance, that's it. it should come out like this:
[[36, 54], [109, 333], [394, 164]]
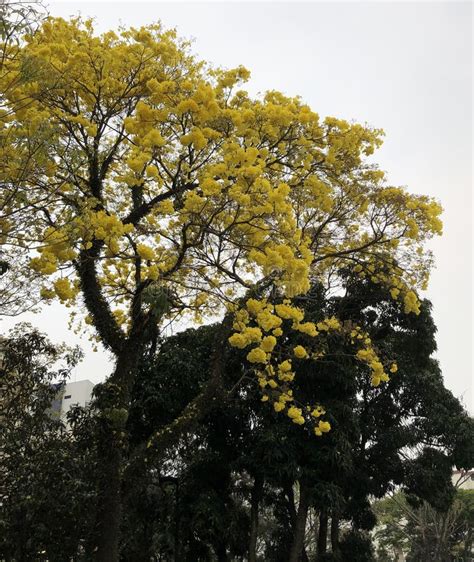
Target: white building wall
[[75, 394]]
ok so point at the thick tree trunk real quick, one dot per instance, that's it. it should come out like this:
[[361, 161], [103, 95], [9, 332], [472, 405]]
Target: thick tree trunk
[[115, 399], [300, 526], [334, 533], [254, 505], [323, 533], [109, 514], [113, 404]]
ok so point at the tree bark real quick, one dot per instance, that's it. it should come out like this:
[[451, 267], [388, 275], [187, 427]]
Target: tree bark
[[177, 524], [254, 505], [288, 489], [120, 385], [335, 533], [300, 525], [113, 404], [323, 533], [109, 514]]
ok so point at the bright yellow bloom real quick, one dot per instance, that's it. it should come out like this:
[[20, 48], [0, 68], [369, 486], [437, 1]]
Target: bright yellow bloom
[[257, 355], [295, 414], [307, 328], [300, 352], [289, 312], [145, 252], [238, 340], [322, 427], [318, 412], [268, 343], [285, 366], [64, 290], [412, 304]]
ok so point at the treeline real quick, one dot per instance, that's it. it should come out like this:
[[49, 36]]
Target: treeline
[[241, 483]]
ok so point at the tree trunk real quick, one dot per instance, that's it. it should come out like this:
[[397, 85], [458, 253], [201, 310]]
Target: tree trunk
[[113, 403], [335, 533], [177, 527], [288, 489], [323, 533], [300, 526], [109, 501], [254, 505]]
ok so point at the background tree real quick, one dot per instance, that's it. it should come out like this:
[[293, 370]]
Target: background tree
[[45, 491], [241, 482], [408, 433], [424, 533]]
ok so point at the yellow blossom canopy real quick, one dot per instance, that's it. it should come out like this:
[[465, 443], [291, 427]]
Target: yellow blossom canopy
[[134, 170]]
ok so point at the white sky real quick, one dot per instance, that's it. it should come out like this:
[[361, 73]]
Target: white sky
[[404, 66]]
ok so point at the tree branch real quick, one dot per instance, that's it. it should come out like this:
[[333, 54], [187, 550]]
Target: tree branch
[[109, 331]]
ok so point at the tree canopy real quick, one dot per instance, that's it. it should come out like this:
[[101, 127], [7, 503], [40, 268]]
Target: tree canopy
[[151, 167]]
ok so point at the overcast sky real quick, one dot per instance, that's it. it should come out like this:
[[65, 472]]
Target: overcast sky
[[405, 67]]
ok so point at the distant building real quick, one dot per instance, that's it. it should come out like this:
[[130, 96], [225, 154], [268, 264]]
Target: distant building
[[71, 394]]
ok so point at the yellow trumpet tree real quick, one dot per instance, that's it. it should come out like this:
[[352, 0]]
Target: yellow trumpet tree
[[148, 185]]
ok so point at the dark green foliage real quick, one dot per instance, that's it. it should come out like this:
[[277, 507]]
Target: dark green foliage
[[242, 439], [240, 463], [46, 495], [428, 477], [356, 547], [170, 380]]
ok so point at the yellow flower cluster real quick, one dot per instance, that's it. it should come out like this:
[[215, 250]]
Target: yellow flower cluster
[[106, 227], [65, 290], [62, 289], [145, 252], [318, 411], [292, 270], [56, 250], [295, 414], [411, 302], [260, 322], [392, 278], [300, 352], [322, 427], [368, 356]]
